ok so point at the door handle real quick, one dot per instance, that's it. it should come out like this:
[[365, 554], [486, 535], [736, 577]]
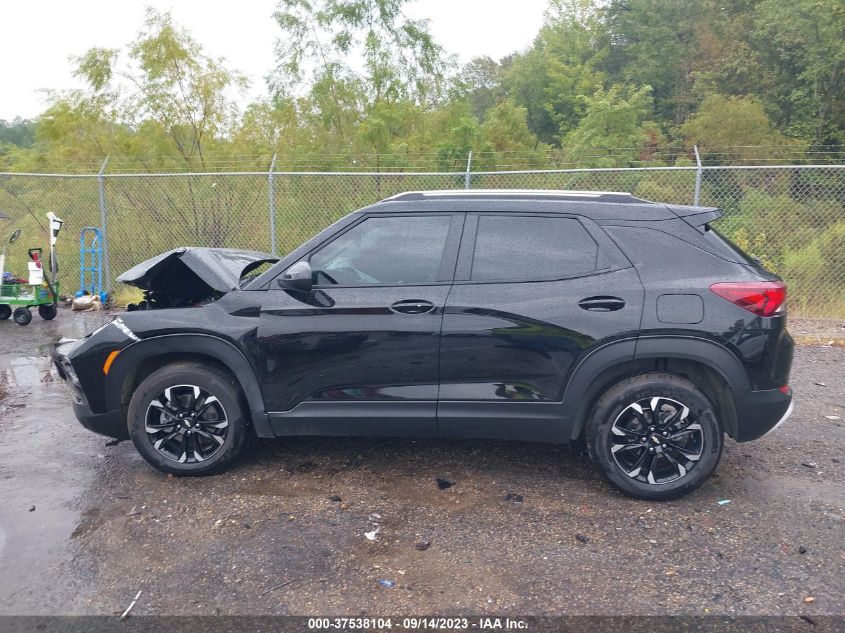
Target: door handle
[[412, 306], [602, 304]]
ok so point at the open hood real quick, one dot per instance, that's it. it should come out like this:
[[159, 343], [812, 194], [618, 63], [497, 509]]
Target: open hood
[[187, 276]]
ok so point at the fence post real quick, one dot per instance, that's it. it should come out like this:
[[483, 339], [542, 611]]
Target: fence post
[[467, 177], [101, 183], [697, 197], [272, 194]]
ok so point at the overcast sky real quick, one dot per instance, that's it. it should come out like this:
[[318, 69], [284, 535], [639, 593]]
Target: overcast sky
[[39, 36]]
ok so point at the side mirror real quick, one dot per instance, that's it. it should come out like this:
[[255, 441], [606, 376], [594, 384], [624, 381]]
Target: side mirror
[[297, 277], [14, 236]]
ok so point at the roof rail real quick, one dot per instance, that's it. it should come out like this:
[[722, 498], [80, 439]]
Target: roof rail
[[557, 194]]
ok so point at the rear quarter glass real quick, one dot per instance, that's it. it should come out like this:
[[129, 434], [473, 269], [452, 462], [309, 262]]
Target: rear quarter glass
[[722, 246]]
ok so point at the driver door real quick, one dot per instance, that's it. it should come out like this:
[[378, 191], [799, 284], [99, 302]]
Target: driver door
[[358, 354]]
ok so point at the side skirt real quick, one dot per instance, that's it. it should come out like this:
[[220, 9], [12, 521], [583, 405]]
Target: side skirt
[[351, 418]]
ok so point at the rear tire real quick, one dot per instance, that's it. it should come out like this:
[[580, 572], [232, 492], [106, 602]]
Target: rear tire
[[47, 312], [5, 312], [22, 316], [654, 436], [188, 419]]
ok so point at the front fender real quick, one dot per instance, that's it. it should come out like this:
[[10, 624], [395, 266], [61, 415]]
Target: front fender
[[195, 344]]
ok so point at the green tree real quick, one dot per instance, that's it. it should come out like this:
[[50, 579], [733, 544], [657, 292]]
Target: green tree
[[505, 132], [399, 55], [737, 122], [614, 129]]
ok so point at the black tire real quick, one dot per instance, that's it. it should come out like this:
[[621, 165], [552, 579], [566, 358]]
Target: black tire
[[47, 312], [684, 439], [22, 316], [180, 379], [5, 312]]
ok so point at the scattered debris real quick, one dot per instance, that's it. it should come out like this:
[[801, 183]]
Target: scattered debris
[[444, 483], [807, 619], [372, 536], [32, 509], [723, 502], [135, 511], [374, 518], [512, 496], [832, 417], [284, 584], [131, 604], [820, 384], [335, 498], [113, 442], [809, 600], [423, 545], [809, 464], [802, 550], [582, 538], [384, 582]]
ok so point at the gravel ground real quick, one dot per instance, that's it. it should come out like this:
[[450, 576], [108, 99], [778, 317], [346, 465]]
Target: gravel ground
[[85, 524]]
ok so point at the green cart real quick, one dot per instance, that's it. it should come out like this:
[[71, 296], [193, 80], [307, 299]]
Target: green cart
[[16, 300]]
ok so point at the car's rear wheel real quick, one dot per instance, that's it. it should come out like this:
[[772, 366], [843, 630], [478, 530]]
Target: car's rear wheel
[[655, 436], [188, 419]]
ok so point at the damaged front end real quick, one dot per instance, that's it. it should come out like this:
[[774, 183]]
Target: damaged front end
[[187, 277]]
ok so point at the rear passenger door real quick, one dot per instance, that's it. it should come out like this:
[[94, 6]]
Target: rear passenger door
[[532, 294]]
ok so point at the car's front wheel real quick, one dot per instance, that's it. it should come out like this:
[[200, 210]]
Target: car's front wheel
[[655, 436], [188, 419]]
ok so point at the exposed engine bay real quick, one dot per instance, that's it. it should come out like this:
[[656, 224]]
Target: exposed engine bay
[[187, 276]]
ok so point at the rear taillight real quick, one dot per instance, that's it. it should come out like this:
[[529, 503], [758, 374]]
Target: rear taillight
[[763, 298]]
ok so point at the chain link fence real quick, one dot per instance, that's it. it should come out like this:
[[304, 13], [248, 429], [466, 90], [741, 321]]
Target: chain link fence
[[791, 217]]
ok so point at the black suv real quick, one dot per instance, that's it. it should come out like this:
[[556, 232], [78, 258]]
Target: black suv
[[628, 326]]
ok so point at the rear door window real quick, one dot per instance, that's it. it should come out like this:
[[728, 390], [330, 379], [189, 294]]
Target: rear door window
[[531, 248]]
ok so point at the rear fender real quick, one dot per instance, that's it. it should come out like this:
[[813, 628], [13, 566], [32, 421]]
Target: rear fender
[[608, 364]]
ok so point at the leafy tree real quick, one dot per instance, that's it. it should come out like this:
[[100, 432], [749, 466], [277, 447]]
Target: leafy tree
[[18, 132], [482, 80], [614, 130], [400, 57], [737, 122], [803, 42], [505, 131]]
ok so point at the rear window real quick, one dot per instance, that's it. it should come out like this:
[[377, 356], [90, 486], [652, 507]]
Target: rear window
[[525, 248], [723, 246]]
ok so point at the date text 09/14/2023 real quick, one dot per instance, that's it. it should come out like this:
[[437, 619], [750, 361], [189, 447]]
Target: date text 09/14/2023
[[417, 624]]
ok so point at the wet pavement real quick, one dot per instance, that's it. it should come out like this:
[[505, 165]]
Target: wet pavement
[[85, 524]]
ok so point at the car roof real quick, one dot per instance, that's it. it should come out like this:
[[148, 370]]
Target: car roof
[[596, 205], [518, 194]]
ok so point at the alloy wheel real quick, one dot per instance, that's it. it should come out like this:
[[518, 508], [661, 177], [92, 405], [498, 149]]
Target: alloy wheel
[[186, 424], [656, 440]]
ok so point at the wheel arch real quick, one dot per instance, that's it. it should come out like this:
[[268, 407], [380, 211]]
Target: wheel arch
[[140, 359], [708, 365]]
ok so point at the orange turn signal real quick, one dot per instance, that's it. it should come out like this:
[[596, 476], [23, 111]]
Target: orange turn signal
[[109, 360]]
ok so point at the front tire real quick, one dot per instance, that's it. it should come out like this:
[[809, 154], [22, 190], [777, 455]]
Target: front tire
[[5, 312], [654, 436], [188, 419], [22, 316]]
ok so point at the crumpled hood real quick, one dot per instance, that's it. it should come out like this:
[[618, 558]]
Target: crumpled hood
[[188, 275]]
